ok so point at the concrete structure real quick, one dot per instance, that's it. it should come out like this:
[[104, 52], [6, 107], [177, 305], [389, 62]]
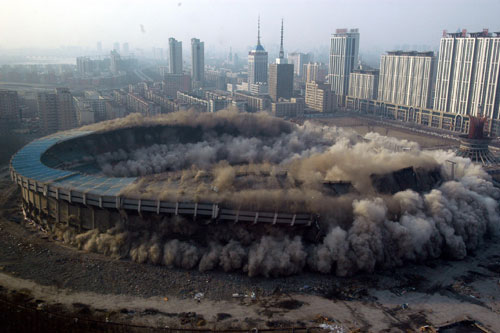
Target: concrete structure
[[9, 109], [138, 104], [254, 103], [115, 66], [52, 196], [344, 47], [298, 60], [363, 84], [175, 56], [125, 48], [256, 88], [288, 108], [197, 62], [319, 97], [175, 83], [468, 72], [406, 78], [281, 75], [56, 111], [314, 72], [257, 62]]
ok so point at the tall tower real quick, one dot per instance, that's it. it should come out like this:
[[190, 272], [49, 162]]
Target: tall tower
[[281, 75], [344, 46], [468, 74], [197, 62], [257, 62], [175, 53]]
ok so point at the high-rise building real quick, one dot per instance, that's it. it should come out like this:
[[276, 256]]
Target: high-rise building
[[9, 109], [319, 97], [281, 75], [125, 48], [406, 78], [116, 47], [197, 62], [257, 62], [99, 47], [467, 80], [363, 84], [344, 46], [56, 110], [298, 60], [175, 83], [115, 65], [314, 72], [175, 53]]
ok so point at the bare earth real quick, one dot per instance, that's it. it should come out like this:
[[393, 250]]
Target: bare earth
[[51, 275]]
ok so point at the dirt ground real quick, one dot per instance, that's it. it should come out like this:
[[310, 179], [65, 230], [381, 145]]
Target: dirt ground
[[40, 273]]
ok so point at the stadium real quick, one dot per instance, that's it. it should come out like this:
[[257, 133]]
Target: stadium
[[250, 192]]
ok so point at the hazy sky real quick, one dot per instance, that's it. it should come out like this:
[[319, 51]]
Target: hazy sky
[[383, 24]]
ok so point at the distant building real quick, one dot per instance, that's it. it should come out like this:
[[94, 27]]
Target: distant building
[[197, 62], [116, 60], [314, 72], [363, 84], [288, 108], [257, 62], [254, 103], [257, 88], [9, 109], [468, 74], [99, 47], [125, 48], [319, 97], [406, 78], [56, 111], [281, 75], [175, 83], [175, 53], [344, 47], [298, 60], [116, 47], [138, 104]]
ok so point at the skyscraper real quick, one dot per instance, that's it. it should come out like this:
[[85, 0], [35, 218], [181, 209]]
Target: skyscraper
[[197, 62], [56, 110], [99, 47], [257, 62], [175, 53], [406, 78], [116, 47], [344, 46], [363, 84], [281, 75], [298, 60], [125, 48], [468, 73], [9, 109]]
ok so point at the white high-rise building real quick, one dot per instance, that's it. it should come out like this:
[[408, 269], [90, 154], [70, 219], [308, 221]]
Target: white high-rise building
[[363, 84], [175, 53], [467, 80], [197, 62], [257, 62], [406, 78], [344, 47]]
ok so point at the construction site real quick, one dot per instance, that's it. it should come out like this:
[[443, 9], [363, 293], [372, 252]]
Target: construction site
[[230, 221]]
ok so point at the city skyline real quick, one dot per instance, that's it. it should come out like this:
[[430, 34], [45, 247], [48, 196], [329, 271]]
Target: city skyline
[[221, 23]]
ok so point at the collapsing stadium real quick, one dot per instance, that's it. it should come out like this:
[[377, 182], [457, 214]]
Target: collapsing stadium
[[248, 192]]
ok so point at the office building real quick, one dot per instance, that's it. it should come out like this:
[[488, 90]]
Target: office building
[[281, 75], [344, 46], [9, 109], [298, 60], [176, 82], [363, 84], [197, 62], [175, 56], [319, 97], [56, 110], [288, 108], [406, 78], [467, 79], [257, 62], [314, 72]]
